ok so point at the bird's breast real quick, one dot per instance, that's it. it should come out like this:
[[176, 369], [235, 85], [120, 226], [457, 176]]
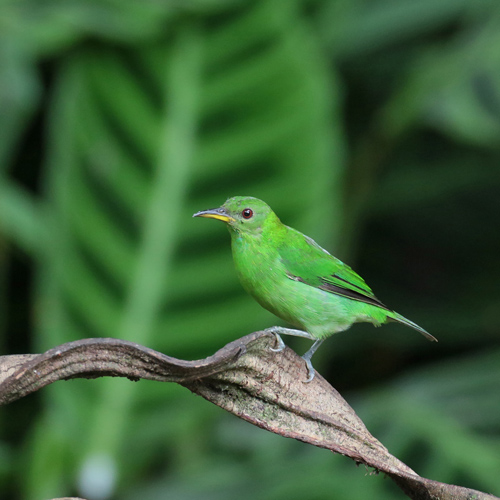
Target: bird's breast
[[258, 266]]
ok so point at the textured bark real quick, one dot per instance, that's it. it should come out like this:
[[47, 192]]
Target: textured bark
[[245, 378]]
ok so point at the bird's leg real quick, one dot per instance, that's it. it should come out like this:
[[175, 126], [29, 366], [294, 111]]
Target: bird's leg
[[279, 330], [307, 358]]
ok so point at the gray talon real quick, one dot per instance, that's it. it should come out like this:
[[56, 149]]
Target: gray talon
[[307, 358], [281, 344], [310, 370], [279, 330]]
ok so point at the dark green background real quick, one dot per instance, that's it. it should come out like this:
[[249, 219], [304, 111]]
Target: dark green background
[[371, 125]]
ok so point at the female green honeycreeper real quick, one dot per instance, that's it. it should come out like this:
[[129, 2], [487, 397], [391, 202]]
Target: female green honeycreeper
[[290, 275]]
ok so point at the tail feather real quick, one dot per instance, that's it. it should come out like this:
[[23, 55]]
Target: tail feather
[[401, 319]]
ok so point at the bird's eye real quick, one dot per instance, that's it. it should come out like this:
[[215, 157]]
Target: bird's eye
[[247, 213]]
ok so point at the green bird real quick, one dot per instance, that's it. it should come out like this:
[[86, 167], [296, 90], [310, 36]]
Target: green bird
[[290, 275]]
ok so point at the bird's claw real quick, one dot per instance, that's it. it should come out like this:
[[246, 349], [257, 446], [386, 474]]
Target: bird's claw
[[281, 344], [310, 370], [276, 330]]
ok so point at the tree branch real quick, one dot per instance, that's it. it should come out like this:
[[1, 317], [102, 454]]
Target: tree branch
[[245, 378]]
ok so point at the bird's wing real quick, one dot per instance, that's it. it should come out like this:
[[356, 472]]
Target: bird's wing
[[307, 262]]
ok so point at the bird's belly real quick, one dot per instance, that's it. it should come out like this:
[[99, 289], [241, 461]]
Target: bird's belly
[[303, 306]]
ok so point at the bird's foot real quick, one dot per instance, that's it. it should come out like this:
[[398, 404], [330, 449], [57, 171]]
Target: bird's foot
[[310, 370], [281, 344], [279, 330], [307, 358]]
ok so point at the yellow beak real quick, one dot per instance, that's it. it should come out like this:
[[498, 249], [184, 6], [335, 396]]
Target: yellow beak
[[215, 213]]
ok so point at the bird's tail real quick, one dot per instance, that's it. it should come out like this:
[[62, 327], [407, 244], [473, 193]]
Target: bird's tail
[[401, 319]]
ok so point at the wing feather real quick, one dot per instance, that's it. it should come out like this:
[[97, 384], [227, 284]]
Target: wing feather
[[307, 262]]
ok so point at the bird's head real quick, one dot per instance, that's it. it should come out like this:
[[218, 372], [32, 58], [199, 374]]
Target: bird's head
[[243, 214]]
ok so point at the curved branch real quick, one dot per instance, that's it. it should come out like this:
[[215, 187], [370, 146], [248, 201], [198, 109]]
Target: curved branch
[[245, 378]]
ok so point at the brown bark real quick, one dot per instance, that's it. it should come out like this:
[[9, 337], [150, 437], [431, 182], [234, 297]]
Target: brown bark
[[245, 378]]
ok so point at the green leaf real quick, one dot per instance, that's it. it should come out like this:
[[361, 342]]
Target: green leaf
[[454, 88], [357, 27], [22, 219]]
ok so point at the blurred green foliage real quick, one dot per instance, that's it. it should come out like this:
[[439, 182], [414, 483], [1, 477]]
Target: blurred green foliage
[[373, 126]]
